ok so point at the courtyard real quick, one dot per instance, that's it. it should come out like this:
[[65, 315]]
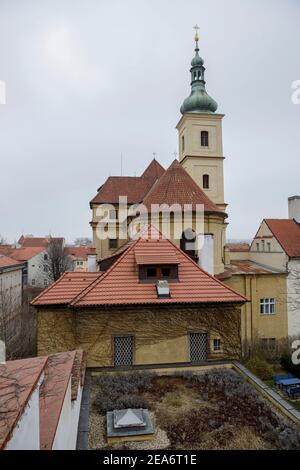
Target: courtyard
[[213, 410]]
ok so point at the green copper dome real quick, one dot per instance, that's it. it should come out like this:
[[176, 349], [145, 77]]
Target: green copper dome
[[198, 101]]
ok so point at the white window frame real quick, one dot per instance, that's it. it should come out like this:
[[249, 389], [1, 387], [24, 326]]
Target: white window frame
[[217, 345], [268, 306]]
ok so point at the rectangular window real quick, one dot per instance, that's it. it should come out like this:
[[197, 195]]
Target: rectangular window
[[269, 246], [151, 272], [268, 343], [165, 272], [267, 306], [123, 351], [33, 282], [263, 245], [113, 243], [182, 143], [257, 246], [217, 344]]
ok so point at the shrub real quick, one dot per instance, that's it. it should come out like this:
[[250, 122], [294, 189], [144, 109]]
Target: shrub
[[287, 364], [113, 389], [261, 368], [131, 401]]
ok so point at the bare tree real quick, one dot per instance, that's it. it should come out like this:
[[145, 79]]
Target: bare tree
[[2, 240], [58, 260], [83, 241]]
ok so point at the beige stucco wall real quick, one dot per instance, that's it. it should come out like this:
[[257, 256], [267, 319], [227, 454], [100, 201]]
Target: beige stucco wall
[[160, 334], [255, 287], [198, 160], [212, 224], [276, 257]]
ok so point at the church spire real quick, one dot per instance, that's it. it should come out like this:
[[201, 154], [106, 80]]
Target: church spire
[[198, 101]]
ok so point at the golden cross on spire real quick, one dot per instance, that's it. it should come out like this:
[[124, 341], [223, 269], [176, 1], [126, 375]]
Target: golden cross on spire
[[196, 28]]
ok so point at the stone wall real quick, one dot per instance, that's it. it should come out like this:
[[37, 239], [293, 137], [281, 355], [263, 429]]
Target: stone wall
[[160, 333]]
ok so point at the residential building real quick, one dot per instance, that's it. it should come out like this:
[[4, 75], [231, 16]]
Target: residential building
[[80, 256], [277, 244], [11, 290], [153, 305], [40, 402]]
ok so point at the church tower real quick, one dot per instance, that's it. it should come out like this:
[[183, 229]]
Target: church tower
[[200, 135]]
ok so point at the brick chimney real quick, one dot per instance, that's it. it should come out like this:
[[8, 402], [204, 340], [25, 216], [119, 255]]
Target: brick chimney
[[294, 208]]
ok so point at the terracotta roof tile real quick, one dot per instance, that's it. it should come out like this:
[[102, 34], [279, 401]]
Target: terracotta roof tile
[[165, 254], [287, 233], [26, 242], [238, 247], [68, 286], [58, 373], [176, 186], [25, 254], [249, 267], [6, 262], [18, 380], [134, 187], [120, 285], [80, 251], [154, 170]]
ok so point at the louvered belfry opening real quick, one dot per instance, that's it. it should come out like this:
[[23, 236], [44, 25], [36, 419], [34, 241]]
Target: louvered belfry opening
[[198, 347], [123, 351]]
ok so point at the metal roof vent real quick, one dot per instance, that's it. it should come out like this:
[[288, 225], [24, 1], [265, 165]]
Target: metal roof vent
[[163, 289]]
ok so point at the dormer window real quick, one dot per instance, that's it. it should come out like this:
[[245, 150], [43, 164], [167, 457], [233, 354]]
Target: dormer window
[[204, 139], [156, 273]]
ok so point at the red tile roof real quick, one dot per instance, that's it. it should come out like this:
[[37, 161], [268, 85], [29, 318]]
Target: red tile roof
[[6, 249], [58, 373], [68, 286], [238, 247], [18, 379], [154, 170], [26, 241], [249, 267], [6, 262], [134, 187], [165, 254], [156, 186], [120, 284], [176, 186], [80, 251], [287, 233], [25, 254]]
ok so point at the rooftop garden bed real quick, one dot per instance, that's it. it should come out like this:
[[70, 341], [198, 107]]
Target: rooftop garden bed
[[213, 410]]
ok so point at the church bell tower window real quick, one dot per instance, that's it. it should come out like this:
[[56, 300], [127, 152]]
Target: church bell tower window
[[204, 139], [205, 181]]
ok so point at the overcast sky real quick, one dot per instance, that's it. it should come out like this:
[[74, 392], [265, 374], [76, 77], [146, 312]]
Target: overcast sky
[[87, 80]]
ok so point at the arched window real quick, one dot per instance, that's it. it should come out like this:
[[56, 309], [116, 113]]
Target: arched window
[[204, 139], [205, 180]]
